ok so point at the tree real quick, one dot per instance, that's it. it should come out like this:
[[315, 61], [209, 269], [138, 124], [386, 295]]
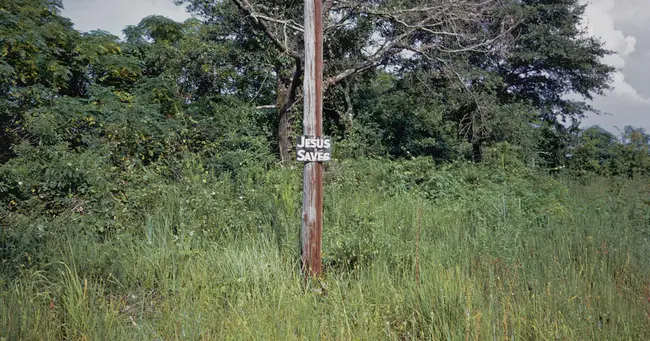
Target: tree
[[553, 58], [529, 95], [554, 66], [596, 151], [634, 151], [359, 36], [39, 61]]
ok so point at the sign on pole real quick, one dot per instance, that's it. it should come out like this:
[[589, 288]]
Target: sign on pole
[[311, 146]]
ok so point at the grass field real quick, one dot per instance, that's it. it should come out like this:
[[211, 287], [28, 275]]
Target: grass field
[[502, 255]]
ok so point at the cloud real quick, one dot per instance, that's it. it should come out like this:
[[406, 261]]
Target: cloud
[[632, 12], [601, 17], [114, 15]]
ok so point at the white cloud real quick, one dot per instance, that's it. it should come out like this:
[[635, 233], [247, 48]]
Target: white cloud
[[601, 22], [114, 15], [632, 12], [608, 20]]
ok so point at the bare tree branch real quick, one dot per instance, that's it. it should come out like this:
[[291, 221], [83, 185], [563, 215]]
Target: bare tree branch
[[444, 26], [295, 83], [262, 107], [382, 53], [447, 26], [286, 23], [245, 7]]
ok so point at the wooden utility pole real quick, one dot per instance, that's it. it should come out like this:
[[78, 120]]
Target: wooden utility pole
[[312, 204]]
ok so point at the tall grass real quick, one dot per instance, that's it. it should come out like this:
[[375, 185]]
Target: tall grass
[[502, 255]]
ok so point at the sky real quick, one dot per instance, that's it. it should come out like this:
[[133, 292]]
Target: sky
[[114, 15], [622, 25]]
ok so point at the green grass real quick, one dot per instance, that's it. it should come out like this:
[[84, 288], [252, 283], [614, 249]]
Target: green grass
[[502, 255]]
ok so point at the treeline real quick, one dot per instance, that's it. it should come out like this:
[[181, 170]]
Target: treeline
[[85, 115]]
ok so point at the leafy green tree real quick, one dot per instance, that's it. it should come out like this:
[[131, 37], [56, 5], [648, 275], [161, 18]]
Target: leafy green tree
[[107, 64], [408, 117], [39, 61], [634, 152], [75, 120], [360, 37], [525, 94], [595, 152], [552, 58], [197, 81], [598, 151], [554, 66]]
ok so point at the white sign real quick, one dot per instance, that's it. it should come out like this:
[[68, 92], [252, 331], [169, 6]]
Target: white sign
[[314, 149]]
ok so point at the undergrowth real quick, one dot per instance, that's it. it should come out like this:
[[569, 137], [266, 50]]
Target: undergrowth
[[504, 253]]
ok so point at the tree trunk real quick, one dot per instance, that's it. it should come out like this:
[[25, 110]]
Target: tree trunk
[[477, 154], [286, 98], [283, 106], [349, 111], [284, 127]]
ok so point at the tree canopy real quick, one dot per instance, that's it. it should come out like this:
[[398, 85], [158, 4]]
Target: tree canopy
[[449, 80]]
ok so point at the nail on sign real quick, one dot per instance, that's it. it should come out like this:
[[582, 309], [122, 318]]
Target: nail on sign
[[314, 149]]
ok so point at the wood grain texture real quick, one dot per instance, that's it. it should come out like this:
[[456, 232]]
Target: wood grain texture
[[312, 212]]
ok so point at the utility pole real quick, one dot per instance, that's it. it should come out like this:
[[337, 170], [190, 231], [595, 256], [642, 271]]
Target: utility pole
[[312, 140]]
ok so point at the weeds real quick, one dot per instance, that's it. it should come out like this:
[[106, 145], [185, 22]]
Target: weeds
[[506, 256]]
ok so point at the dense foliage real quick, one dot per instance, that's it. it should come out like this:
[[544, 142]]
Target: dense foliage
[[123, 160], [83, 114]]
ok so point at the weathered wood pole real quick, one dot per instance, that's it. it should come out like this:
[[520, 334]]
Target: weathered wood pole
[[312, 204]]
